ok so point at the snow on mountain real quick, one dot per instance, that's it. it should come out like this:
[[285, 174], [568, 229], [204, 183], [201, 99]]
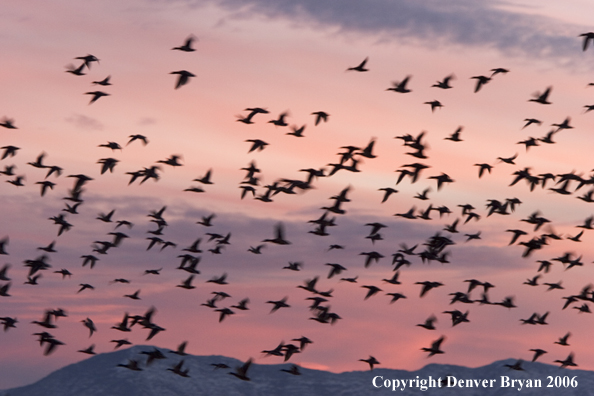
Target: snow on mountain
[[101, 375]]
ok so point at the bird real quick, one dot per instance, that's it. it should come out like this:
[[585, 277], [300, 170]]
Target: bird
[[516, 366], [38, 163], [532, 281], [499, 70], [372, 290], [293, 370], [177, 369], [294, 266], [9, 151], [173, 160], [303, 342], [135, 137], [457, 316], [181, 349], [517, 234], [409, 214], [388, 191], [587, 37], [563, 340], [133, 296], [224, 312], [429, 323], [508, 160], [242, 305], [123, 325], [206, 220], [206, 178], [256, 250], [89, 351], [435, 347], [50, 340], [371, 256], [257, 144], [530, 121], [241, 371], [65, 273], [435, 104], [569, 359], [371, 361], [18, 181], [183, 79], [131, 365], [4, 270], [320, 116], [360, 67], [563, 125], [455, 137], [89, 325], [428, 285], [45, 185], [96, 95], [111, 145], [47, 321], [278, 304], [542, 98], [480, 81], [187, 46], [77, 71], [104, 82], [400, 86], [445, 83], [336, 269], [219, 280], [537, 353], [108, 164], [106, 218], [441, 179], [84, 286], [279, 238], [88, 59], [280, 121], [297, 132]]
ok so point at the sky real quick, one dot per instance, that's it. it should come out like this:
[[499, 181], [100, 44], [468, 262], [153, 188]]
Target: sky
[[293, 56]]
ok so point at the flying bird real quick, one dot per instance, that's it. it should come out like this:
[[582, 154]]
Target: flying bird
[[104, 82], [371, 361], [435, 347], [445, 83], [542, 98], [480, 81], [187, 46], [320, 116], [400, 86], [96, 95], [183, 79], [360, 67], [435, 104], [279, 238], [7, 123], [587, 38]]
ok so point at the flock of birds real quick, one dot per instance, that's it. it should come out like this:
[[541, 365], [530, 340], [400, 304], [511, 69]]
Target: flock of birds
[[435, 248]]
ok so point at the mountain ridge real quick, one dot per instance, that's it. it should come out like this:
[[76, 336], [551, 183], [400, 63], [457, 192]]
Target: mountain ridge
[[101, 375]]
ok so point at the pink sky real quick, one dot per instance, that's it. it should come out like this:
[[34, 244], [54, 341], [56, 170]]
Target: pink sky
[[288, 60]]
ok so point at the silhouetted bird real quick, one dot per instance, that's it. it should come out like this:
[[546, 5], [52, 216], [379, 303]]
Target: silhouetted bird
[[183, 79], [360, 67], [187, 47]]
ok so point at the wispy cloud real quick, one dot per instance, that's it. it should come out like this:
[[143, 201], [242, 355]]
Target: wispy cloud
[[459, 22], [147, 121], [84, 122]]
